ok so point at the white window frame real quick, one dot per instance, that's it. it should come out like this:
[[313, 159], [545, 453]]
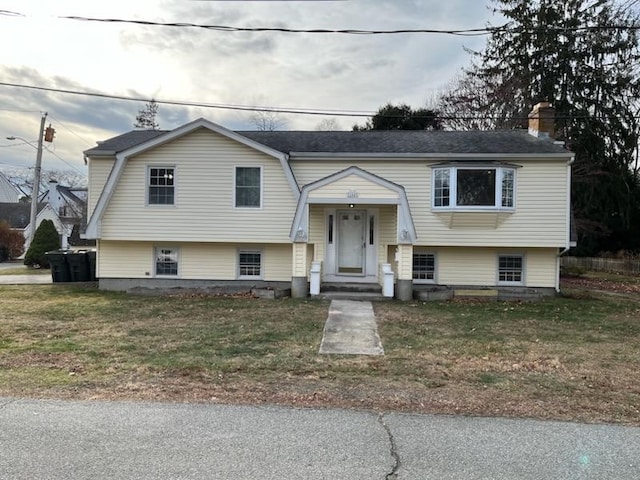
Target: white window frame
[[453, 186], [258, 251], [156, 252], [147, 189], [522, 258], [235, 185], [419, 251]]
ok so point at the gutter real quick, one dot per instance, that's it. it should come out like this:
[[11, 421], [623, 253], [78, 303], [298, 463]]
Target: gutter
[[567, 246]]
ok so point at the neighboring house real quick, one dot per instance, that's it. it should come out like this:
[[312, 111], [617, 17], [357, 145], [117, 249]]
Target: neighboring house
[[70, 207], [9, 193], [202, 205]]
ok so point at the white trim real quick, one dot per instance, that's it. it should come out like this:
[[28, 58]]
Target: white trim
[[523, 257], [453, 186], [425, 251], [249, 250], [406, 232], [148, 185], [155, 250], [93, 229], [235, 185]]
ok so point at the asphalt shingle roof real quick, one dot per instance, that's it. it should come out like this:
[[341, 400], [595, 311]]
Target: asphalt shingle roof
[[123, 142], [375, 141]]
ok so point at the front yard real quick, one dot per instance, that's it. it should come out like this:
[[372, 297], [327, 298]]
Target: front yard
[[572, 358]]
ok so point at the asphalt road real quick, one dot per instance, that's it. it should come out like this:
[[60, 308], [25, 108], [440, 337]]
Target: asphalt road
[[112, 440]]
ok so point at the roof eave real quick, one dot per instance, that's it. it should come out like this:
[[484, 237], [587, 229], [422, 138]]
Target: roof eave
[[423, 156]]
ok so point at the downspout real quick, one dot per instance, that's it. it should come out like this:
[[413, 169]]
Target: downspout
[[567, 245]]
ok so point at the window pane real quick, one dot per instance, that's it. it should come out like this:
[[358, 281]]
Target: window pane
[[507, 188], [441, 188], [161, 186], [247, 186], [424, 266], [476, 187], [510, 269], [166, 261], [249, 263]]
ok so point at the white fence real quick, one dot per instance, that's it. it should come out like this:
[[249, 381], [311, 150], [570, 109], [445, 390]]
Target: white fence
[[625, 266]]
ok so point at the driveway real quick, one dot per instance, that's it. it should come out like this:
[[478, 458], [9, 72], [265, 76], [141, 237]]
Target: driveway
[[106, 440]]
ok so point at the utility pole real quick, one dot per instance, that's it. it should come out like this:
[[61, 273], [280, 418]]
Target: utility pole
[[35, 191]]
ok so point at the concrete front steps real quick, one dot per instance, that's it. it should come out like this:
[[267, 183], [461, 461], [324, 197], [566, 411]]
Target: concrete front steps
[[351, 291]]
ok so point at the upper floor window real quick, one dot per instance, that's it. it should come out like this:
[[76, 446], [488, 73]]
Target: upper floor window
[[473, 187], [161, 188], [248, 189]]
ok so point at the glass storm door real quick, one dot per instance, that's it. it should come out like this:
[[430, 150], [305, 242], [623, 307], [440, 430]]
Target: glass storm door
[[351, 242]]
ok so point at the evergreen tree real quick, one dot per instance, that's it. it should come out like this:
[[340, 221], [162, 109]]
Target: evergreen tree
[[45, 240], [582, 56], [146, 118], [401, 117]]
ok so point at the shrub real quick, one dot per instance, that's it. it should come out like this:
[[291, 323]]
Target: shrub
[[45, 239], [11, 242]]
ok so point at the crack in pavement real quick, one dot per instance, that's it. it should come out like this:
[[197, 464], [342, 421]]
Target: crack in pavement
[[6, 404], [393, 474]]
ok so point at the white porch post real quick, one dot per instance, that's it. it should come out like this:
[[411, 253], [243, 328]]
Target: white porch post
[[404, 284]]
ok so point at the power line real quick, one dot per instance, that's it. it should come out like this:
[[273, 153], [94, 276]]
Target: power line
[[456, 32], [294, 111], [467, 32], [70, 131], [247, 108]]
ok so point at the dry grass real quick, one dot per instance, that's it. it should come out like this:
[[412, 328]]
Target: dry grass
[[567, 358]]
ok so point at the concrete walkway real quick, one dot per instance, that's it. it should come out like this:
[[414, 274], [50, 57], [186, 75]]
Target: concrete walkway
[[351, 329], [25, 279]]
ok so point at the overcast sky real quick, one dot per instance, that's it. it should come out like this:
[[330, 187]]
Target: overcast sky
[[302, 71]]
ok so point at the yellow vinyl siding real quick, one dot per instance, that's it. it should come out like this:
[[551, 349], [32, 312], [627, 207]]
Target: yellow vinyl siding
[[196, 261], [479, 266], [539, 218], [204, 187], [317, 231], [99, 169], [352, 183]]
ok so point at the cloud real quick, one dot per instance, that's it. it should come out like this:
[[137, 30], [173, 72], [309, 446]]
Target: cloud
[[328, 71]]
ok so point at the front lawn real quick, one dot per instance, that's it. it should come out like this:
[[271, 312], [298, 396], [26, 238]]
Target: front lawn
[[572, 358]]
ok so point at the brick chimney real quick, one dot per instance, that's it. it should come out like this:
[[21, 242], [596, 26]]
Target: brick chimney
[[542, 121]]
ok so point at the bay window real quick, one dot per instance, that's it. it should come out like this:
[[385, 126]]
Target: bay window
[[474, 188]]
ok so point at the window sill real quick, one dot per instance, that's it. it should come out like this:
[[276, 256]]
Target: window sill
[[473, 209], [423, 282]]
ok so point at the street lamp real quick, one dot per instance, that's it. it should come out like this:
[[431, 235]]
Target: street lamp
[[36, 179]]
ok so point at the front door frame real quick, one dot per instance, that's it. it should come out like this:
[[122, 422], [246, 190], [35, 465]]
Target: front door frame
[[370, 247]]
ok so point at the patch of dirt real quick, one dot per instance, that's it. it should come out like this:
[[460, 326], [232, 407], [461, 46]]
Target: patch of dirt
[[604, 285]]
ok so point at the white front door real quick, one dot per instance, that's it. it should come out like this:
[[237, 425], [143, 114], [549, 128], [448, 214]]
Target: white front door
[[351, 256]]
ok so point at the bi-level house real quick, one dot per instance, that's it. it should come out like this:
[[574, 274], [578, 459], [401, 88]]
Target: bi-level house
[[203, 205]]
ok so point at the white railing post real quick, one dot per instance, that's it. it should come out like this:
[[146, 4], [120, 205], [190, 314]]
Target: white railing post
[[387, 280], [316, 268]]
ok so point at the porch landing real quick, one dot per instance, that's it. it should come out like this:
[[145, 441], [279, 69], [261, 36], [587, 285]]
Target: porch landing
[[351, 329], [351, 291]]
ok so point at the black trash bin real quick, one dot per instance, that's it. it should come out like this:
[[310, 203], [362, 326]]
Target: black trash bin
[[91, 257], [78, 266], [59, 267]]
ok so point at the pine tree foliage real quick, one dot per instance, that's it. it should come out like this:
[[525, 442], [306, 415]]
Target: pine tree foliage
[[46, 239], [401, 117], [566, 52], [146, 118]]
